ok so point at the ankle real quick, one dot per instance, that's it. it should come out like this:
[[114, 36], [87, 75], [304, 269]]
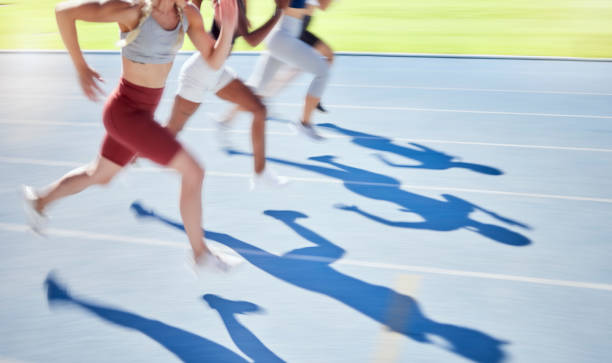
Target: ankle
[[39, 205], [200, 253]]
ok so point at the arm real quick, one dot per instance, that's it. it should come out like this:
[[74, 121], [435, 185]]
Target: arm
[[258, 35], [214, 53], [67, 13], [323, 4]]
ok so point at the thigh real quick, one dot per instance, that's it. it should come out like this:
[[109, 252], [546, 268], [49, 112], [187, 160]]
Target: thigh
[[138, 132], [115, 151], [295, 52], [309, 38], [182, 110], [265, 70], [238, 93]]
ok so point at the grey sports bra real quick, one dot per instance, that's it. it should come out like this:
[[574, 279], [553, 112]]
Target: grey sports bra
[[154, 44]]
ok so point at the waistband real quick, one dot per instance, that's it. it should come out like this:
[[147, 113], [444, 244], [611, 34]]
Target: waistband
[[291, 24], [139, 96]]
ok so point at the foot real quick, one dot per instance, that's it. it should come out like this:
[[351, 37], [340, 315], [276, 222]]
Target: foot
[[308, 130], [215, 262], [35, 218], [321, 108], [267, 178], [223, 129]]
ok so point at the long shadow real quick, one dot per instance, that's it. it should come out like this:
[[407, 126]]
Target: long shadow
[[428, 158], [309, 268], [186, 346], [450, 214], [244, 339]]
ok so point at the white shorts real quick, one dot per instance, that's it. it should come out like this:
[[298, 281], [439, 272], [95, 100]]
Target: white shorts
[[197, 78]]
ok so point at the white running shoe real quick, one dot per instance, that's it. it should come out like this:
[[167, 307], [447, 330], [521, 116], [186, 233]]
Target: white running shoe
[[223, 131], [215, 262], [309, 131], [268, 178], [36, 220]]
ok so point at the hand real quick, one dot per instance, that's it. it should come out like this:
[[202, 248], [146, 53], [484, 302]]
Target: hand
[[282, 4], [89, 78], [229, 13]]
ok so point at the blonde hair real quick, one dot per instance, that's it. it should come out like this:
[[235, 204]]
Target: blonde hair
[[146, 11]]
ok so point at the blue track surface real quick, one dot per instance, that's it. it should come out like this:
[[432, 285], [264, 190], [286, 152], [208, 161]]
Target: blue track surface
[[459, 211]]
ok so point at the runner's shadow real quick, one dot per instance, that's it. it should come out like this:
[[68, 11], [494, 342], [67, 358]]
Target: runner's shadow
[[309, 268], [451, 213], [427, 157], [244, 339], [186, 346]]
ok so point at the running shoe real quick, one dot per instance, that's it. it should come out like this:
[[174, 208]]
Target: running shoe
[[267, 178], [321, 108], [36, 220], [309, 131], [215, 262]]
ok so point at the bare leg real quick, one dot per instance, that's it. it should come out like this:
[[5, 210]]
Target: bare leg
[[192, 178], [100, 171], [182, 110], [309, 105], [236, 92]]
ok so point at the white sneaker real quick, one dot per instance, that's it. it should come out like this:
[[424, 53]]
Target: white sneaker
[[36, 220], [215, 262], [268, 178], [223, 131], [309, 131]]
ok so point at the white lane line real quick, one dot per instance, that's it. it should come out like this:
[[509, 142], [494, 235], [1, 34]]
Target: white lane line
[[11, 227], [418, 109], [13, 160], [380, 108], [462, 89], [398, 313], [384, 86], [327, 135]]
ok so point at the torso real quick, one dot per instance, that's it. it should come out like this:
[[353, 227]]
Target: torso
[[149, 74]]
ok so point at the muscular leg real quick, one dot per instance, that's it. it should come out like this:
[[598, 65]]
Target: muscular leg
[[182, 110], [192, 178], [238, 93], [100, 172]]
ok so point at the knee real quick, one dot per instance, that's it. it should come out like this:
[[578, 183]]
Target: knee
[[322, 70], [100, 178], [173, 128], [259, 111], [194, 174]]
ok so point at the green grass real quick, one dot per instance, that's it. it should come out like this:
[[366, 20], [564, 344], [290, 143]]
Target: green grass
[[573, 28]]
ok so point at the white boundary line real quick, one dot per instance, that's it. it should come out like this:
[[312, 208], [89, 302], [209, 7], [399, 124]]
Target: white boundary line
[[11, 227], [327, 135], [13, 160], [420, 109], [421, 88], [468, 89], [385, 108]]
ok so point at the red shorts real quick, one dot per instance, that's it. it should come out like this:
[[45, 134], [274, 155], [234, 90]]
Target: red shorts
[[131, 128]]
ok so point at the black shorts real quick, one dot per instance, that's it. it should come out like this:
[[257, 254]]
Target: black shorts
[[309, 38]]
